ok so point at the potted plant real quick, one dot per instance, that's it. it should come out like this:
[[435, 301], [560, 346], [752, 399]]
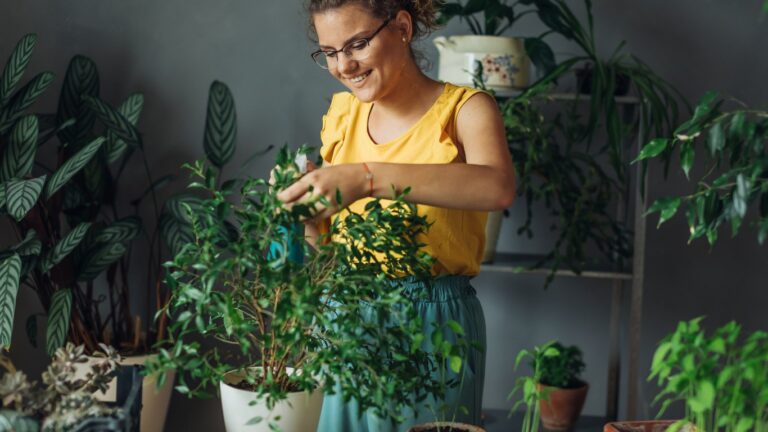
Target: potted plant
[[71, 228], [504, 62], [560, 380], [270, 321], [448, 347], [720, 378], [67, 401], [531, 394]]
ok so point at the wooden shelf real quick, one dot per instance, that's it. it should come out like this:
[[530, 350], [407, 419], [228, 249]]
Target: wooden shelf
[[521, 263]]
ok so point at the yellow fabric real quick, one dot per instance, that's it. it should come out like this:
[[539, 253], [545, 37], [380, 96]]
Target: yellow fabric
[[457, 237]]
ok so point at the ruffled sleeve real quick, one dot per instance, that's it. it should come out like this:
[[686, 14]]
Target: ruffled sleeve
[[335, 123]]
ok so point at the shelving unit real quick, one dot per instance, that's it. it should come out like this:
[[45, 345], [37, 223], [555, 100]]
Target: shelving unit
[[621, 279]]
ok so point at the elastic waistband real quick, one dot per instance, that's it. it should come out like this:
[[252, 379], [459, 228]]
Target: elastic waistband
[[440, 288]]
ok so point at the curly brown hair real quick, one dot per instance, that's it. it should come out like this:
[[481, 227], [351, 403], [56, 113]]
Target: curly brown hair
[[423, 12]]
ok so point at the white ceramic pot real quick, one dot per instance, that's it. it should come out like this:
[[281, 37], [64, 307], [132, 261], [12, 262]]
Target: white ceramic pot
[[154, 402], [505, 64], [300, 412], [492, 229]]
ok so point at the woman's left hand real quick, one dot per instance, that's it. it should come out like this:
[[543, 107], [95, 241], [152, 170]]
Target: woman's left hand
[[324, 182]]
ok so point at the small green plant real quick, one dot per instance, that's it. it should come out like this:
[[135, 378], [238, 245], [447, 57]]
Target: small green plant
[[65, 400], [564, 370], [528, 386], [721, 378]]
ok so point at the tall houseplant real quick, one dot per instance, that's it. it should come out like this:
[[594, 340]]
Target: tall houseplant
[[67, 219], [252, 314]]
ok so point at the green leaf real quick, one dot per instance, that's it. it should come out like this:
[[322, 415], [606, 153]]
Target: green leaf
[[474, 6], [58, 320], [253, 421], [14, 421], [666, 206], [22, 195], [120, 231], [16, 66], [686, 157], [220, 125], [31, 245], [456, 364], [64, 247], [455, 327], [653, 149], [740, 195], [20, 154], [704, 106], [736, 128], [10, 273], [131, 110], [99, 260], [24, 99], [716, 139], [72, 166], [116, 122], [541, 55], [80, 80], [175, 233], [180, 205], [745, 423]]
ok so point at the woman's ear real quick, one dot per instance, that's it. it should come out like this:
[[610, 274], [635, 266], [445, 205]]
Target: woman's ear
[[404, 25]]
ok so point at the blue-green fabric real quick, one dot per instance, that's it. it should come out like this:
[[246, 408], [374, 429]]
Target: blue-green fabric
[[442, 299]]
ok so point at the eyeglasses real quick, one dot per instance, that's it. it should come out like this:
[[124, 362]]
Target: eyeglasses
[[356, 50]]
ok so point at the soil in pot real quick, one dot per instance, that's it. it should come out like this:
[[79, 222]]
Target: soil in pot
[[446, 427]]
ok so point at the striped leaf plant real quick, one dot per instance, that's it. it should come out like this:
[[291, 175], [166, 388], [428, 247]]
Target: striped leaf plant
[[73, 239]]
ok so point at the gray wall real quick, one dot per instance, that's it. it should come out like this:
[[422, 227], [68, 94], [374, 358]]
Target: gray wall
[[171, 50]]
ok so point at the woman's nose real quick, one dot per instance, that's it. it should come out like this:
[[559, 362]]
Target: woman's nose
[[345, 64]]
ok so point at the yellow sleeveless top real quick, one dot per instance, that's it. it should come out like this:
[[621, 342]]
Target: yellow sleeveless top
[[457, 237]]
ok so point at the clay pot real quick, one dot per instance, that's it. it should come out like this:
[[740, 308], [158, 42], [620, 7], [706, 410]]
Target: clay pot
[[446, 426], [563, 407]]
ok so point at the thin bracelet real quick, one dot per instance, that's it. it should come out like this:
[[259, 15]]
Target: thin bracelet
[[369, 177]]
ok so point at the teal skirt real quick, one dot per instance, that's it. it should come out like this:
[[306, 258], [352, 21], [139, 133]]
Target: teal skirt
[[446, 298]]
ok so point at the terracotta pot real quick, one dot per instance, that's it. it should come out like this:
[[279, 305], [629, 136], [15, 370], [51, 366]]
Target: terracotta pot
[[563, 408], [444, 426], [644, 426]]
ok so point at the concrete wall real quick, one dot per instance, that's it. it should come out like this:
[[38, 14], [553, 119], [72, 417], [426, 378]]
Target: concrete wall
[[171, 50]]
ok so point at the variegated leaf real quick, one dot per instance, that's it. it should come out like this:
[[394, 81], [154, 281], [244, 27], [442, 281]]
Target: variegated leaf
[[119, 231], [114, 121], [20, 154], [10, 273], [72, 166], [181, 205], [31, 245], [21, 196], [81, 79], [64, 247], [16, 66], [58, 320], [175, 233], [131, 109], [220, 125], [99, 260], [24, 99]]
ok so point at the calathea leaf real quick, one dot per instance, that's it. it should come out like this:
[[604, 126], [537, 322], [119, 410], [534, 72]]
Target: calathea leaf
[[72, 166], [64, 247], [24, 99], [220, 125], [20, 154], [31, 245], [10, 273], [114, 121], [58, 320], [21, 196], [131, 110], [119, 231], [16, 66], [100, 259], [175, 233], [81, 79]]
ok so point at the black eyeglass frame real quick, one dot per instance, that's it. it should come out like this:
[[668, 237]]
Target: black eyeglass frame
[[346, 50]]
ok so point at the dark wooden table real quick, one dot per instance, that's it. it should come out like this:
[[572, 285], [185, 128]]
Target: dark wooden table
[[498, 421]]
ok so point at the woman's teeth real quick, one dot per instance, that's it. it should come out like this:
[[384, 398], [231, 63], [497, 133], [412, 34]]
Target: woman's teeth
[[359, 78]]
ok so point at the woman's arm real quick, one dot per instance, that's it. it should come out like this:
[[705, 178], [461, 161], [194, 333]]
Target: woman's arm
[[485, 182]]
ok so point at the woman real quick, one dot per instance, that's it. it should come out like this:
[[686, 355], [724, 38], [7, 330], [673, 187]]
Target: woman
[[398, 128]]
